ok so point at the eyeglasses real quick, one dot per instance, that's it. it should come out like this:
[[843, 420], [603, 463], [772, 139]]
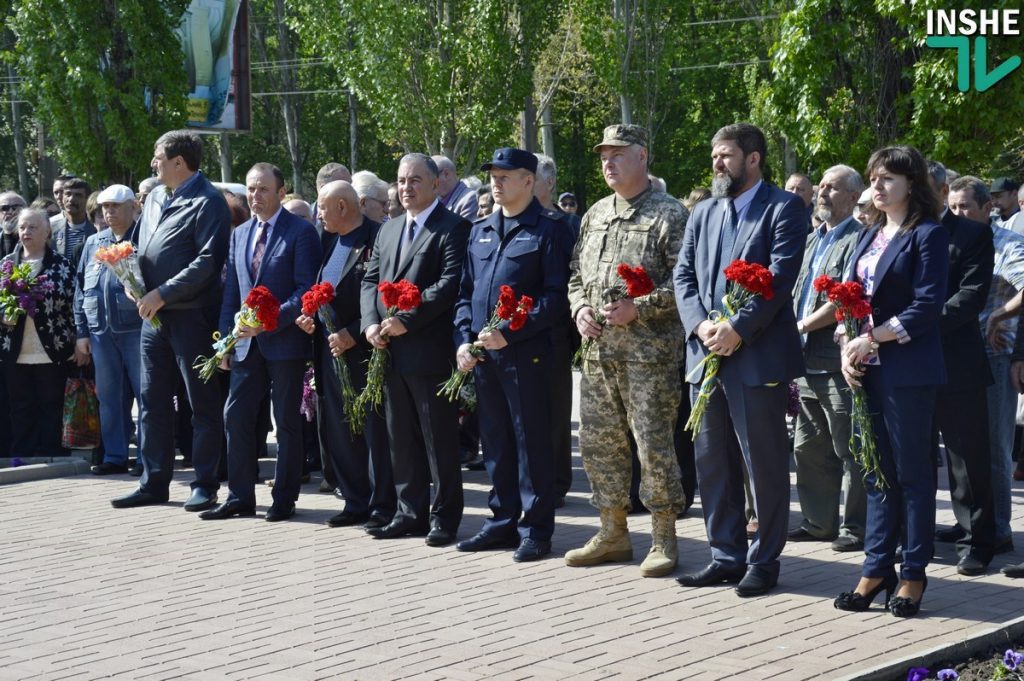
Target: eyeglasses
[[7, 207], [568, 204]]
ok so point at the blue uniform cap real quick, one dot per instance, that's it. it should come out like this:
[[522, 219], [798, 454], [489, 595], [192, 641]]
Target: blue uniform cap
[[510, 158]]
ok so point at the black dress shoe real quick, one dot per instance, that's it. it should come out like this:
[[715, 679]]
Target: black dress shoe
[[107, 468], [137, 498], [227, 510], [377, 520], [851, 601], [530, 550], [711, 575], [476, 464], [756, 582], [950, 534], [276, 514], [846, 543], [971, 566], [347, 519], [901, 606], [395, 529], [200, 500], [136, 470], [1014, 571], [800, 534], [483, 541], [438, 536]]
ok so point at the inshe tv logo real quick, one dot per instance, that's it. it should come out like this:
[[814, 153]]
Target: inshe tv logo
[[962, 29]]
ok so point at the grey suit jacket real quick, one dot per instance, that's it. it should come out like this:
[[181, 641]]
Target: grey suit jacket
[[821, 353], [183, 246], [463, 201]]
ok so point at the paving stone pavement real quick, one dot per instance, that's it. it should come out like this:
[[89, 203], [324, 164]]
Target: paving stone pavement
[[89, 592]]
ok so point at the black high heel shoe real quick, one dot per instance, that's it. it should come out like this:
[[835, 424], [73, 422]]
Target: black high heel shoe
[[904, 607], [854, 602]]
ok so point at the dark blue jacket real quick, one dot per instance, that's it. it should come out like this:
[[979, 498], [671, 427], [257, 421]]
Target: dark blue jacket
[[910, 284], [532, 258], [288, 269], [101, 305], [773, 232]]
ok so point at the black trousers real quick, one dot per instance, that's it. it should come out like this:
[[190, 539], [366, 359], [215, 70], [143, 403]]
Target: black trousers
[[37, 408], [423, 432], [962, 418], [561, 406], [167, 353], [359, 465]]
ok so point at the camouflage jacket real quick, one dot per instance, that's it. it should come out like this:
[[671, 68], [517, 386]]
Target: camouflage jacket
[[645, 231]]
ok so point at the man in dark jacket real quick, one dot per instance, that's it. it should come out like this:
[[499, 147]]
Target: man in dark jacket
[[183, 243]]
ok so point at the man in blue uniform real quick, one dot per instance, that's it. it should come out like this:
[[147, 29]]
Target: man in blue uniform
[[519, 246]]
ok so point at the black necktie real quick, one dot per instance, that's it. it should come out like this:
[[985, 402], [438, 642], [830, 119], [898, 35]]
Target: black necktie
[[729, 226], [406, 240]]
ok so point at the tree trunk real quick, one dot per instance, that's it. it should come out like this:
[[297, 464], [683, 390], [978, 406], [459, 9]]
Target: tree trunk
[[529, 120], [225, 157], [289, 105], [547, 131], [19, 143], [353, 132]]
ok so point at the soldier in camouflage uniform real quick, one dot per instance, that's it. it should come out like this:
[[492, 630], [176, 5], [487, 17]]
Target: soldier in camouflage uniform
[[631, 371]]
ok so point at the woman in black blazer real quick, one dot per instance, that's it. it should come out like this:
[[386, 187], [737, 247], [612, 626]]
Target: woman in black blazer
[[903, 263]]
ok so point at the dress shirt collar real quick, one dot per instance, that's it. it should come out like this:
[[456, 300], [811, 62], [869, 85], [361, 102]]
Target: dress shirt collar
[[743, 200], [421, 219]]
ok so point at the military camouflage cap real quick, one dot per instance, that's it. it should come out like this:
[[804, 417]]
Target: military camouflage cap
[[623, 135]]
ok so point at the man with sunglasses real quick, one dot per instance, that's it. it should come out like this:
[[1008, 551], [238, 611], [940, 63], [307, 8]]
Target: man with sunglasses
[[11, 205]]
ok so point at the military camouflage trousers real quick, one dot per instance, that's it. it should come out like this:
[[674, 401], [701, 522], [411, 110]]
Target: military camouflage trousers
[[617, 398]]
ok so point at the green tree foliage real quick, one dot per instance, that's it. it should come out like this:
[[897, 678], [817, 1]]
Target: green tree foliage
[[87, 66], [850, 76], [445, 76]]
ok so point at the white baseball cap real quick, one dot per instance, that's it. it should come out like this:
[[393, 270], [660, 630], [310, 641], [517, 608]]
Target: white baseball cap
[[115, 193]]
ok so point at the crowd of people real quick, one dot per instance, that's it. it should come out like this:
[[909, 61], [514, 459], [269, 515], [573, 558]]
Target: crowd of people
[[939, 359]]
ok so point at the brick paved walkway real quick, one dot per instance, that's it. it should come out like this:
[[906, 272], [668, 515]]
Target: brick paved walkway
[[154, 593]]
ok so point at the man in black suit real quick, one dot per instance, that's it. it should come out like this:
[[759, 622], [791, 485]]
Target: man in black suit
[[425, 246], [183, 243], [961, 405], [744, 427], [358, 465]]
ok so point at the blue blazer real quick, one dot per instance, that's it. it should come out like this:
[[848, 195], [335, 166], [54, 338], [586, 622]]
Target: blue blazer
[[910, 284], [288, 269], [773, 232]]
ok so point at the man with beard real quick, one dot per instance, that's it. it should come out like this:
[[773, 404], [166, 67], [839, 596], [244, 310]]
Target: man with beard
[[824, 464], [631, 370], [11, 205], [744, 427]]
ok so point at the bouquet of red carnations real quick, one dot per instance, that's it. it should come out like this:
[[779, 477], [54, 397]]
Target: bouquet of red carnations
[[313, 301], [401, 296], [851, 306], [746, 280], [259, 309], [123, 261], [508, 309], [635, 283]]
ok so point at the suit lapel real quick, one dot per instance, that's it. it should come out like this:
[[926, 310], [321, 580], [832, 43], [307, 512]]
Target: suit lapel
[[715, 222], [242, 253], [354, 254], [865, 241], [276, 235], [417, 243], [751, 218], [899, 242]]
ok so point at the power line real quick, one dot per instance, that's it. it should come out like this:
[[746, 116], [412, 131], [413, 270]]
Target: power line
[[298, 92], [698, 67]]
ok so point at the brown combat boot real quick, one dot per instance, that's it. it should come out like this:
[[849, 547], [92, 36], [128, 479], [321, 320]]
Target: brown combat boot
[[661, 560], [609, 545]]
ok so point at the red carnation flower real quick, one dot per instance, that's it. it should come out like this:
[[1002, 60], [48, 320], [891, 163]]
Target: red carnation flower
[[389, 293], [638, 282], [409, 297], [824, 284]]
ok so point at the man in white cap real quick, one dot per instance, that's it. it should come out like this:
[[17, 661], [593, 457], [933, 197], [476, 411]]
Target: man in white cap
[[108, 327]]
